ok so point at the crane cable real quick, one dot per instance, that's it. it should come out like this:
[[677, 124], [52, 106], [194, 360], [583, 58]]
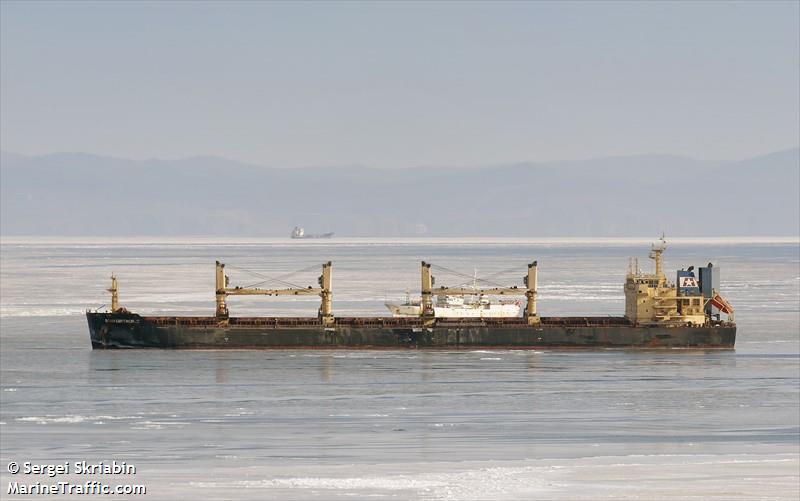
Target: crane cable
[[278, 279], [473, 278]]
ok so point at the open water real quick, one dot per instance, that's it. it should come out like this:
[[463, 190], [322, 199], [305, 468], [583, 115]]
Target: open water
[[468, 425]]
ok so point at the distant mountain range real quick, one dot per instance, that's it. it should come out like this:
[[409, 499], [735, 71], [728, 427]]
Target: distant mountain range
[[83, 194]]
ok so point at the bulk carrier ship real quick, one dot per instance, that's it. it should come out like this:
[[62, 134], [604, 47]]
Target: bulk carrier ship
[[658, 314]]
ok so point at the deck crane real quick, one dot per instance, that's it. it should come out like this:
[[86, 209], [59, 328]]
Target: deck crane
[[531, 283], [324, 291]]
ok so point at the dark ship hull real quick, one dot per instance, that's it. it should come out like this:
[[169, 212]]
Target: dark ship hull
[[129, 330]]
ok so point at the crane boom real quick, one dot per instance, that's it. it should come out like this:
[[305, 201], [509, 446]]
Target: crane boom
[[468, 291], [240, 291]]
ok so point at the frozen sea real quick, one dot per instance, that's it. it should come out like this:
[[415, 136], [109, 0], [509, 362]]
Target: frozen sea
[[429, 425]]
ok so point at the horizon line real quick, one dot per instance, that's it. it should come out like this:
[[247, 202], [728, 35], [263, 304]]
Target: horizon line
[[486, 240]]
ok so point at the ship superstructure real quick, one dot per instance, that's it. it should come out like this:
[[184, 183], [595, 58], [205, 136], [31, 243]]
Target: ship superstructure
[[651, 300]]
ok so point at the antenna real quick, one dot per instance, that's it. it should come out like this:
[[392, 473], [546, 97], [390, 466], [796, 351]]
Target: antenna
[[656, 254]]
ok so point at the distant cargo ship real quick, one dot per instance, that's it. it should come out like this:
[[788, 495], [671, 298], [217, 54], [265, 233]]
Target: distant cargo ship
[[299, 232], [658, 314]]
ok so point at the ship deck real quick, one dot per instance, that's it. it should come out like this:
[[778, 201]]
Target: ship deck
[[384, 322]]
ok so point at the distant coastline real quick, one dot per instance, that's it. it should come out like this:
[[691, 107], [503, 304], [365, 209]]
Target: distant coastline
[[82, 194]]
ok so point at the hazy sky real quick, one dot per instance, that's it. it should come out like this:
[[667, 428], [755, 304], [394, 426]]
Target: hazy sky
[[396, 84]]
